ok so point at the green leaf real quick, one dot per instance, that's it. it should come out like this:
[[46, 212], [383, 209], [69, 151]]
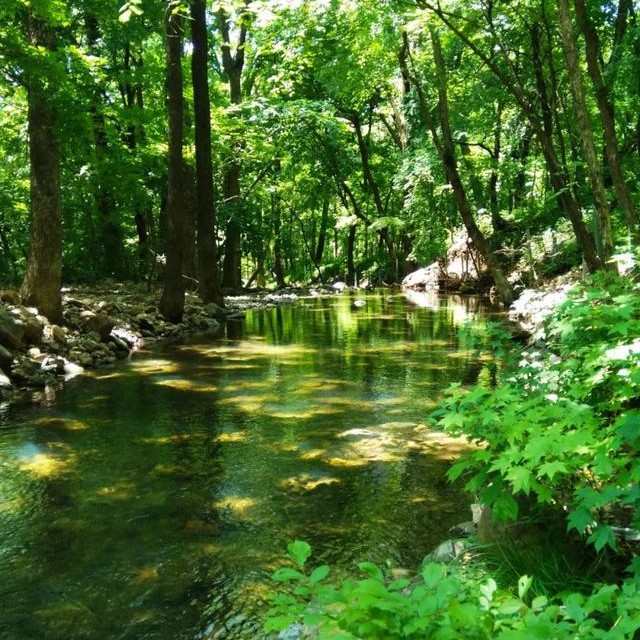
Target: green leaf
[[278, 623], [433, 573], [603, 536], [550, 469], [371, 570], [319, 574], [580, 519], [524, 584], [299, 552], [520, 478], [287, 574], [510, 607]]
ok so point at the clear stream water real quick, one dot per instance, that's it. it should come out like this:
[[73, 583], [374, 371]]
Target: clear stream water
[[153, 501]]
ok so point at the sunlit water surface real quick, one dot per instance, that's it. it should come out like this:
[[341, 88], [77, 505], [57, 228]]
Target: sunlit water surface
[[154, 500]]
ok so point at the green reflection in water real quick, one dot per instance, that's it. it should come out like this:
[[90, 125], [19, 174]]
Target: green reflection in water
[[153, 501]]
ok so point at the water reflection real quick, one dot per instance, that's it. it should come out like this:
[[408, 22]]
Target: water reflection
[[154, 500]]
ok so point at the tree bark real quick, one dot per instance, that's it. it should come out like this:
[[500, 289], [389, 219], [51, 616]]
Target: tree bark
[[207, 255], [43, 279], [172, 301], [603, 219], [233, 65]]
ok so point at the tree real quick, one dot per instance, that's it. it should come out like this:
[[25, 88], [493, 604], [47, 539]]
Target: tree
[[233, 65], [584, 129], [207, 259], [442, 137], [42, 283], [172, 301]]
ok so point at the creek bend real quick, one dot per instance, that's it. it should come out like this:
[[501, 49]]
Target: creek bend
[[152, 501]]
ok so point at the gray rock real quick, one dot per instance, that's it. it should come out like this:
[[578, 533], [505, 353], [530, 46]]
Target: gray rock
[[212, 309], [54, 333], [32, 322], [101, 323], [11, 331], [447, 551], [71, 369], [5, 383]]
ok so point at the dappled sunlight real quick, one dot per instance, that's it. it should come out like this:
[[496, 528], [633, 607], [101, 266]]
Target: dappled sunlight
[[145, 574], [240, 506], [154, 366], [111, 375], [43, 465], [176, 438], [336, 461], [119, 491], [306, 482], [61, 423], [237, 436], [182, 384], [313, 454]]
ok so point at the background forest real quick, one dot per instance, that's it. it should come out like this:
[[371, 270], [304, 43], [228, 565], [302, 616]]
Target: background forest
[[258, 143]]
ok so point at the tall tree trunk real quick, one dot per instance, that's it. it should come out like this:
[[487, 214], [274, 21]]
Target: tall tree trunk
[[233, 65], [322, 233], [43, 279], [351, 265], [172, 301], [207, 258], [605, 108], [278, 268], [584, 129]]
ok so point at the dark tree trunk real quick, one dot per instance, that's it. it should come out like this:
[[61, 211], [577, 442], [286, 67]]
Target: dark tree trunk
[[233, 65], [278, 268], [351, 266], [172, 301], [207, 255], [322, 233], [43, 279]]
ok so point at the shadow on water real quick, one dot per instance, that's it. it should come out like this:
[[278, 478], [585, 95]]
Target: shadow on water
[[153, 500]]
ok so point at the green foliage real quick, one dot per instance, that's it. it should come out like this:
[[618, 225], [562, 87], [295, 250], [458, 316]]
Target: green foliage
[[443, 603], [562, 427]]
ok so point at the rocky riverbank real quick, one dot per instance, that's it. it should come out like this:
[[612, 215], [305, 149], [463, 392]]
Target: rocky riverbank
[[102, 324]]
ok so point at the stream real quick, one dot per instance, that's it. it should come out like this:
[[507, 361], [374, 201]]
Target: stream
[[153, 500]]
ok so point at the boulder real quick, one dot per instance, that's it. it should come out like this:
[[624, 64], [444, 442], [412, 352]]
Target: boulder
[[32, 322], [424, 278], [101, 323], [5, 383], [54, 334], [11, 331], [214, 310]]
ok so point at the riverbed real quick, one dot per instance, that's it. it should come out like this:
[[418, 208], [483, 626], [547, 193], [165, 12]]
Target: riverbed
[[154, 499]]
